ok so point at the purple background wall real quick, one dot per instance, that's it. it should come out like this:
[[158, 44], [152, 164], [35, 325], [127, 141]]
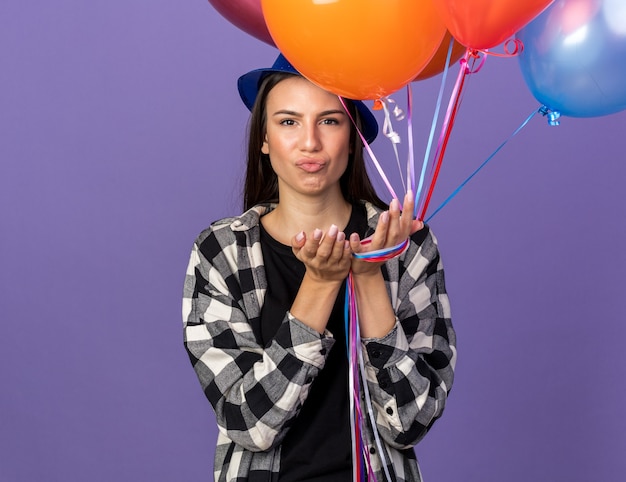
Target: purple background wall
[[121, 138]]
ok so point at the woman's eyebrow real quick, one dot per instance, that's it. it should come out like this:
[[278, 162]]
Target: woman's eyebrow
[[298, 114], [333, 112], [292, 113]]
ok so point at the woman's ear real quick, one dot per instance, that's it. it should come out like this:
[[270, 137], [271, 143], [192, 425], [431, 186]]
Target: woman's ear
[[265, 148]]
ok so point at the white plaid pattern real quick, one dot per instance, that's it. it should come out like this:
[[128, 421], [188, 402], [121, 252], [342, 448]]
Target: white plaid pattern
[[256, 390]]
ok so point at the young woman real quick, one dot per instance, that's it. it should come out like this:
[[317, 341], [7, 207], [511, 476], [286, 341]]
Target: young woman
[[263, 305]]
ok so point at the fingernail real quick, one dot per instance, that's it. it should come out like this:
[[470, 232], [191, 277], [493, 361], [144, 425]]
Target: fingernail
[[395, 205], [317, 234], [409, 195], [341, 236], [332, 231], [384, 217], [300, 236], [354, 237]]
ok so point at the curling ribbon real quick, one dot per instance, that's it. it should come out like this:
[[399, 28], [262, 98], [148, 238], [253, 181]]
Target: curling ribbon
[[512, 47], [389, 132], [542, 110], [418, 192], [453, 106], [410, 163], [369, 151], [357, 378], [362, 465], [361, 462]]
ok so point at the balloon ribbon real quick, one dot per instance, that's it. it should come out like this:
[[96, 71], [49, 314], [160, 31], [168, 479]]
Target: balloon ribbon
[[448, 123], [363, 470], [357, 379], [552, 116]]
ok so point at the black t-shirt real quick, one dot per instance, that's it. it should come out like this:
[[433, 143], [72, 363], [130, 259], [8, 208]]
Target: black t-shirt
[[318, 444]]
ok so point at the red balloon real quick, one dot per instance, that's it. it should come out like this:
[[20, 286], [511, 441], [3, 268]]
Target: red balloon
[[483, 24], [246, 15]]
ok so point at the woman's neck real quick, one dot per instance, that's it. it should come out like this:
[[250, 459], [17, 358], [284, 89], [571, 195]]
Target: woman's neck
[[296, 214]]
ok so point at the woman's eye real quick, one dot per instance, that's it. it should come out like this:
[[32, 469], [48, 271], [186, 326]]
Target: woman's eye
[[330, 121], [287, 122]]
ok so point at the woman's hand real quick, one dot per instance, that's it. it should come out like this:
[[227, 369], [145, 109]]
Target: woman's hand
[[392, 229], [327, 257], [327, 260]]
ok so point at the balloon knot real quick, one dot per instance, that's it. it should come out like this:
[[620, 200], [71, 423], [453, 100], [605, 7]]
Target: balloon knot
[[473, 61], [393, 137], [552, 115], [378, 104], [387, 103], [398, 113]]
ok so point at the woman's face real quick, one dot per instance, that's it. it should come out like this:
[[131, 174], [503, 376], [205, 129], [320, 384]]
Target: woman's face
[[307, 137]]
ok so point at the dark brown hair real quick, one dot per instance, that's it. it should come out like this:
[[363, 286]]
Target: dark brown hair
[[261, 183]]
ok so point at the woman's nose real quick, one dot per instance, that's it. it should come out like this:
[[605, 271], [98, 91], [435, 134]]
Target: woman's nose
[[310, 139]]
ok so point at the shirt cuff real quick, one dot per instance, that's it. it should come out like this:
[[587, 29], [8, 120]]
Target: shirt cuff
[[304, 342], [388, 350]]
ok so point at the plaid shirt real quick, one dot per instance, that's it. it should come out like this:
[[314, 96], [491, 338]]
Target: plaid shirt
[[256, 390]]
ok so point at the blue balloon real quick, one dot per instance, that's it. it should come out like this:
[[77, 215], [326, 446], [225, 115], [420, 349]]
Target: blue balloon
[[574, 57]]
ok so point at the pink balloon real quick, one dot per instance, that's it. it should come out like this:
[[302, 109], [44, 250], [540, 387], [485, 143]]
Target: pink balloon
[[246, 15]]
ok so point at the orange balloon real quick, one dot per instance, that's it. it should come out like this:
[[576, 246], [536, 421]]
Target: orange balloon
[[483, 24], [359, 49], [438, 62]]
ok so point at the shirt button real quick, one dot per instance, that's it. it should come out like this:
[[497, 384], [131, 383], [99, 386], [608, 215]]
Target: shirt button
[[389, 410], [372, 450], [375, 354], [323, 351], [309, 380]]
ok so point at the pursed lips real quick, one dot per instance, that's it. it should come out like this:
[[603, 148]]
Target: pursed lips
[[311, 165]]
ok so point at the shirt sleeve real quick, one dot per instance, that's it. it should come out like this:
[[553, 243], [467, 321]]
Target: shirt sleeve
[[254, 390], [410, 371]]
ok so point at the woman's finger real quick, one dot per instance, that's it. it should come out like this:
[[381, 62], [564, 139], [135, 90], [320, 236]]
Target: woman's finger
[[327, 244], [406, 221], [297, 242], [379, 238], [355, 243], [394, 230], [311, 246], [338, 248]]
